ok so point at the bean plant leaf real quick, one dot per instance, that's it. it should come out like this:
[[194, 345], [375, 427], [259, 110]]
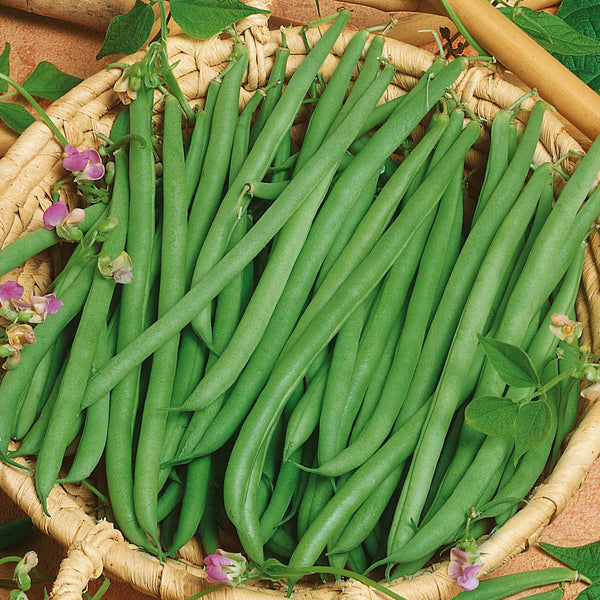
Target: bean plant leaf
[[491, 415], [205, 18], [15, 116], [129, 32], [585, 559], [5, 66], [512, 363], [551, 32], [532, 426], [49, 82], [584, 17], [591, 592]]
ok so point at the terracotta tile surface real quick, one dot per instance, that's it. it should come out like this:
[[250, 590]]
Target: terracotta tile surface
[[73, 49]]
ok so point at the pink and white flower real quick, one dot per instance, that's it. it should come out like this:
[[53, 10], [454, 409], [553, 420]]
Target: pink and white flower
[[58, 216], [564, 329], [463, 567], [11, 290], [226, 567], [86, 164]]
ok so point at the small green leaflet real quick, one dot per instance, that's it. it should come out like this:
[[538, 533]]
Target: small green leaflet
[[512, 363], [552, 32], [585, 559], [205, 18], [5, 66], [15, 116], [491, 415], [49, 82], [532, 426], [590, 593], [129, 32], [584, 17]]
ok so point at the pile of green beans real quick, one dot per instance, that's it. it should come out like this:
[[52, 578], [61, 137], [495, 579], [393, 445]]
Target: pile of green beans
[[294, 355]]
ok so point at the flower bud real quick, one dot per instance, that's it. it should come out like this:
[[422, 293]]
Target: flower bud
[[590, 373], [108, 224], [109, 174], [6, 350], [21, 574]]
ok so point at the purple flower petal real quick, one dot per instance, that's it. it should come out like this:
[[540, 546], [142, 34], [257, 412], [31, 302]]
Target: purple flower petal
[[11, 290], [214, 573], [123, 276], [454, 569], [54, 305], [76, 216], [94, 172], [467, 580], [459, 556], [217, 560], [75, 160], [55, 214]]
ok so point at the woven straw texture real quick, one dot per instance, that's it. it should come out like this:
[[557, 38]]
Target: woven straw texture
[[33, 165]]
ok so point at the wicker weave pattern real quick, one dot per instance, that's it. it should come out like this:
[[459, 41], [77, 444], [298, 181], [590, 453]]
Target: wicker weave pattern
[[27, 175]]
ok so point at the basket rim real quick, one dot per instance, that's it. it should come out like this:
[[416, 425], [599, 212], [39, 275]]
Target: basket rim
[[89, 107]]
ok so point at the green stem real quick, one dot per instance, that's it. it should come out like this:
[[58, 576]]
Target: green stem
[[454, 17], [36, 106], [8, 559], [102, 590], [170, 78], [568, 373], [212, 588], [126, 139], [8, 95]]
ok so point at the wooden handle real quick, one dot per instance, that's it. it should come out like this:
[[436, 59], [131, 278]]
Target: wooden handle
[[531, 63]]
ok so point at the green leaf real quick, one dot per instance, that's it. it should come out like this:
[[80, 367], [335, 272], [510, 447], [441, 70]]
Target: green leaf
[[591, 592], [532, 426], [15, 116], [12, 532], [585, 559], [49, 82], [551, 32], [491, 415], [129, 32], [512, 363], [5, 66], [584, 17], [205, 18]]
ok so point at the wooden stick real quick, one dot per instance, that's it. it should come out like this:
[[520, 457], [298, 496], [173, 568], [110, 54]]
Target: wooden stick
[[95, 14], [402, 5], [531, 63]]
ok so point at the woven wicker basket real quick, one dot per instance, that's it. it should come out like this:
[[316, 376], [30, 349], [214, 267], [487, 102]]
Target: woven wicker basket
[[33, 165]]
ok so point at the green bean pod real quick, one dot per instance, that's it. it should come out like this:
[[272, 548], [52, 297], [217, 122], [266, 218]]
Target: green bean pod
[[237, 259], [305, 417], [261, 156], [194, 160], [507, 585], [443, 326], [292, 365], [15, 382], [34, 242], [172, 288], [497, 161], [448, 394], [41, 386], [275, 88], [217, 159], [93, 438], [193, 503], [124, 397]]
